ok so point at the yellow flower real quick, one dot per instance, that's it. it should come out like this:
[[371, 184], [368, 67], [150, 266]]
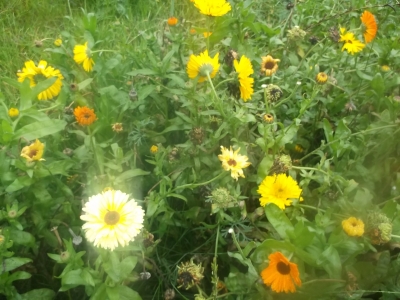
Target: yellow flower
[[38, 73], [207, 34], [117, 127], [13, 112], [279, 189], [321, 77], [215, 8], [245, 69], [58, 42], [353, 226], [154, 149], [33, 152], [172, 21], [281, 274], [351, 44], [268, 118], [385, 68], [83, 55], [370, 26], [269, 65], [234, 162], [84, 115], [201, 65], [111, 219]]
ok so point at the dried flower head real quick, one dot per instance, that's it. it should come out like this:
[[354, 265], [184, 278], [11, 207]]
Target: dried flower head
[[282, 164], [296, 34], [273, 93], [378, 227], [197, 135], [189, 274]]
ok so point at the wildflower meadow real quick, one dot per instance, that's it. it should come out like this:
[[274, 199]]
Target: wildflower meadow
[[199, 149]]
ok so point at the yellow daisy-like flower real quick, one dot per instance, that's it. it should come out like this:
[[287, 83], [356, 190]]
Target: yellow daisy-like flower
[[33, 152], [351, 44], [84, 115], [279, 189], [321, 77], [385, 68], [268, 118], [38, 73], [244, 70], [281, 274], [269, 65], [58, 42], [353, 226], [111, 219], [154, 149], [83, 55], [13, 112], [370, 26], [207, 34], [200, 65], [215, 8], [234, 162]]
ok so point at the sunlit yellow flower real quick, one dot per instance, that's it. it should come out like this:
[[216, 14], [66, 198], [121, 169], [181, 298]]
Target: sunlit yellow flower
[[172, 21], [385, 68], [279, 189], [351, 44], [370, 26], [281, 274], [38, 73], [269, 65], [200, 65], [321, 77], [58, 42], [83, 55], [207, 34], [234, 162], [154, 149], [13, 112], [353, 226], [244, 70], [111, 219], [33, 152], [215, 8], [84, 115]]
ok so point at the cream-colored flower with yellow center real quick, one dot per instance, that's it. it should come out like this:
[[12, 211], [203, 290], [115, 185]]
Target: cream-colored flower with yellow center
[[234, 162], [111, 219]]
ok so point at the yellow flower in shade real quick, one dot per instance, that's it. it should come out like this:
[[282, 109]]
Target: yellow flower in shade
[[38, 73], [84, 115], [244, 70], [111, 219], [269, 65], [281, 275], [154, 149], [58, 42], [353, 226], [83, 55], [268, 118], [13, 112], [207, 34], [215, 8], [33, 152], [172, 21], [279, 189], [385, 68], [234, 162], [200, 65], [370, 26], [321, 78], [351, 44]]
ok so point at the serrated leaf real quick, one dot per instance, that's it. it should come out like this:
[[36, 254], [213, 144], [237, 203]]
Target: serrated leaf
[[39, 129]]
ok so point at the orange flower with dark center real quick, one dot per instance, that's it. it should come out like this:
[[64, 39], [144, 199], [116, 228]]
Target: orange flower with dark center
[[370, 26], [84, 115], [172, 21]]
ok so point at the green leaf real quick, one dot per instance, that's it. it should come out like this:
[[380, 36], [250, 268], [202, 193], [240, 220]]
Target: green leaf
[[130, 174], [71, 279], [127, 265], [19, 275], [330, 261], [39, 294], [142, 72], [22, 237], [378, 84], [12, 263], [126, 293], [39, 129], [82, 85], [144, 92], [112, 267], [278, 220]]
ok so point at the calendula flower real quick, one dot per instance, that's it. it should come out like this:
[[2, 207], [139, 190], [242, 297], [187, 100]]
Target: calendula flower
[[58, 42], [281, 275], [13, 112], [279, 189], [201, 65], [112, 219], [33, 152], [351, 44], [234, 162], [244, 70], [192, 31], [269, 65], [321, 77], [38, 73], [206, 34], [385, 68], [215, 8], [84, 115], [370, 26], [154, 149], [83, 55], [117, 127], [172, 21], [268, 118], [353, 226]]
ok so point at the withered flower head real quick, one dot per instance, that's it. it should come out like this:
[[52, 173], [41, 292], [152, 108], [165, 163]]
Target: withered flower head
[[189, 274]]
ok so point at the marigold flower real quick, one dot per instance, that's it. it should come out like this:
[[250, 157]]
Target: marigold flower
[[84, 115], [269, 65], [111, 219], [351, 44], [281, 275], [200, 65], [321, 77], [279, 189], [154, 149], [33, 152], [58, 42], [244, 70], [13, 112], [268, 118], [207, 34], [172, 21], [353, 226], [234, 162], [192, 31], [38, 73], [215, 8], [83, 55], [370, 25]]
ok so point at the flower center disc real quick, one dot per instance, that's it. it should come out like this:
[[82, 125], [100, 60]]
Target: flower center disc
[[32, 153], [111, 218], [269, 65], [283, 268], [232, 162]]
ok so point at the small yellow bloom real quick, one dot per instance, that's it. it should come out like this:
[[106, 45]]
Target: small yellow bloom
[[117, 127], [207, 34], [33, 152], [351, 44], [83, 55], [172, 21], [13, 112], [234, 162], [321, 78], [269, 65], [58, 42], [268, 118], [353, 226], [154, 149], [201, 65], [385, 68]]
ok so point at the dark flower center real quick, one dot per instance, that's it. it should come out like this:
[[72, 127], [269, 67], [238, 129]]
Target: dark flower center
[[269, 65], [232, 162], [283, 268], [32, 153], [86, 115], [111, 218]]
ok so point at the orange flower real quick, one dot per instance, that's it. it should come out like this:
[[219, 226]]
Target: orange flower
[[369, 23], [281, 274], [192, 31], [84, 115], [172, 21]]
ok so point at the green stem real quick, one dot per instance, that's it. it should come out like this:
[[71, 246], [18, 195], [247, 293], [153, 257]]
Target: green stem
[[309, 168], [266, 101], [216, 96], [395, 236], [215, 266], [324, 280], [94, 150], [193, 185], [311, 207], [235, 241], [223, 81], [288, 98], [96, 51]]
